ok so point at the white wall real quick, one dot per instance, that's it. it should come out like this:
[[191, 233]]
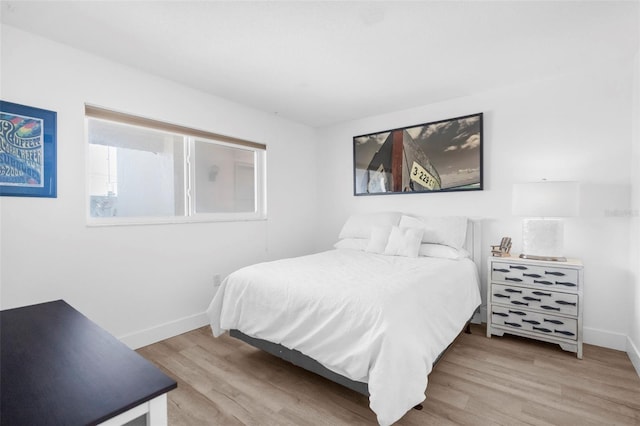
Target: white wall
[[139, 282], [571, 127], [146, 282], [633, 344]]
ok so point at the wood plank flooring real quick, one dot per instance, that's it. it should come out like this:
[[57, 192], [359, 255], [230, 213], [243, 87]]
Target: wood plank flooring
[[480, 381]]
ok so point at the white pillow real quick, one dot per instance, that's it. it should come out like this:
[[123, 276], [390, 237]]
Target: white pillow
[[360, 225], [352, 244], [450, 231], [442, 252], [379, 239], [404, 242]]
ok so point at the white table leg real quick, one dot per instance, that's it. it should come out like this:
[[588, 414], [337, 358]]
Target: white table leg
[[157, 415], [155, 410]]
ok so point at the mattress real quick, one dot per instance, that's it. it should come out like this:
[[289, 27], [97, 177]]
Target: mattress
[[372, 318]]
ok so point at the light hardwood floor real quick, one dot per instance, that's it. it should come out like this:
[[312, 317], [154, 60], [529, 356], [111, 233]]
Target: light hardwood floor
[[480, 381]]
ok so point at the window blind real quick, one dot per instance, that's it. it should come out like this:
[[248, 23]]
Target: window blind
[[107, 114]]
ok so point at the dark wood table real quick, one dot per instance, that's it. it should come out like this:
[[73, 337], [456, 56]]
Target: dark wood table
[[59, 368]]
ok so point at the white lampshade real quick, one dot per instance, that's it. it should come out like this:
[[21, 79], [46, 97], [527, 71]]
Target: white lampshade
[[545, 199]]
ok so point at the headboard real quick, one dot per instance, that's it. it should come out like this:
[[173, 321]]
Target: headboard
[[473, 244]]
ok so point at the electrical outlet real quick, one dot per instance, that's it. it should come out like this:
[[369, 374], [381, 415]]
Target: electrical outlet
[[216, 280]]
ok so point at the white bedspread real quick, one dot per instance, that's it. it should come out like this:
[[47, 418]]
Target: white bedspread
[[372, 318]]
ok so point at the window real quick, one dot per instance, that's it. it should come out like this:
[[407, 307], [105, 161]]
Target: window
[[145, 171]]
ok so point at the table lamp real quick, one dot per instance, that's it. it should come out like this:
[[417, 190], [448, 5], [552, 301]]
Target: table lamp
[[543, 204]]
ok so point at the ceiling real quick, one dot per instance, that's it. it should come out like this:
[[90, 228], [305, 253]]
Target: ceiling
[[321, 63]]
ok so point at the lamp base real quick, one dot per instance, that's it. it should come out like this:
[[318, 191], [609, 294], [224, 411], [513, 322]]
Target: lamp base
[[542, 239], [548, 258]]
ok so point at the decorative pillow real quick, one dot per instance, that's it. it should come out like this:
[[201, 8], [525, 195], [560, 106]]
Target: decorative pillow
[[404, 242], [379, 239], [352, 244], [450, 231], [360, 225], [442, 252]]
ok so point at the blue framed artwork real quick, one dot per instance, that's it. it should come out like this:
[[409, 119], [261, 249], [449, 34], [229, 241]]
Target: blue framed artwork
[[27, 151]]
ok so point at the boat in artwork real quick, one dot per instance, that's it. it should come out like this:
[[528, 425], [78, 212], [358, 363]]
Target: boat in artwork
[[400, 165]]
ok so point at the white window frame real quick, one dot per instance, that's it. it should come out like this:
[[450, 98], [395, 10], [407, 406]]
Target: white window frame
[[190, 135]]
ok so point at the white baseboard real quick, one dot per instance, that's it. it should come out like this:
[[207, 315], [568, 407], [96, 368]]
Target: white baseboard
[[634, 354], [606, 339], [151, 335]]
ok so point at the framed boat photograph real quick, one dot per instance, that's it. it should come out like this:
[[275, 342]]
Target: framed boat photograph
[[440, 156], [27, 151]]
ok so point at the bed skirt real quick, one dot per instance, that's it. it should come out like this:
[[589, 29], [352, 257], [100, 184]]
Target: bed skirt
[[301, 360]]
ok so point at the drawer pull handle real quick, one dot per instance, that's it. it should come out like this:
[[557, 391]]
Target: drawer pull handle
[[564, 283], [500, 270], [522, 268], [513, 324], [549, 308], [554, 321], [546, 330], [534, 322], [512, 279], [517, 312], [512, 290], [533, 299], [502, 314], [517, 302], [541, 293], [504, 296], [566, 333], [556, 273], [562, 302], [532, 275], [543, 282]]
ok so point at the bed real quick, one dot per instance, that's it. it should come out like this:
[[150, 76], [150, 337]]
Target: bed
[[372, 314]]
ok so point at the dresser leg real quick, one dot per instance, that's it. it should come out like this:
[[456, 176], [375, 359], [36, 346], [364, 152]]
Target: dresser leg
[[571, 347], [579, 354], [495, 332]]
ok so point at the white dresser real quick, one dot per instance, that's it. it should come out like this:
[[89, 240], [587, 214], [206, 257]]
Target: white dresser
[[537, 299]]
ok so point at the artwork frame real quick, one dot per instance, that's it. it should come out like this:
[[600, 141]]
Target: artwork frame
[[28, 151], [437, 156]]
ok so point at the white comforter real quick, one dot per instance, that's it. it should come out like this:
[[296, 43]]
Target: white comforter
[[372, 318]]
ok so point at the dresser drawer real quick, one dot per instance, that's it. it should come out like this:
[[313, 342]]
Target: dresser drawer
[[536, 322], [535, 275], [538, 299]]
